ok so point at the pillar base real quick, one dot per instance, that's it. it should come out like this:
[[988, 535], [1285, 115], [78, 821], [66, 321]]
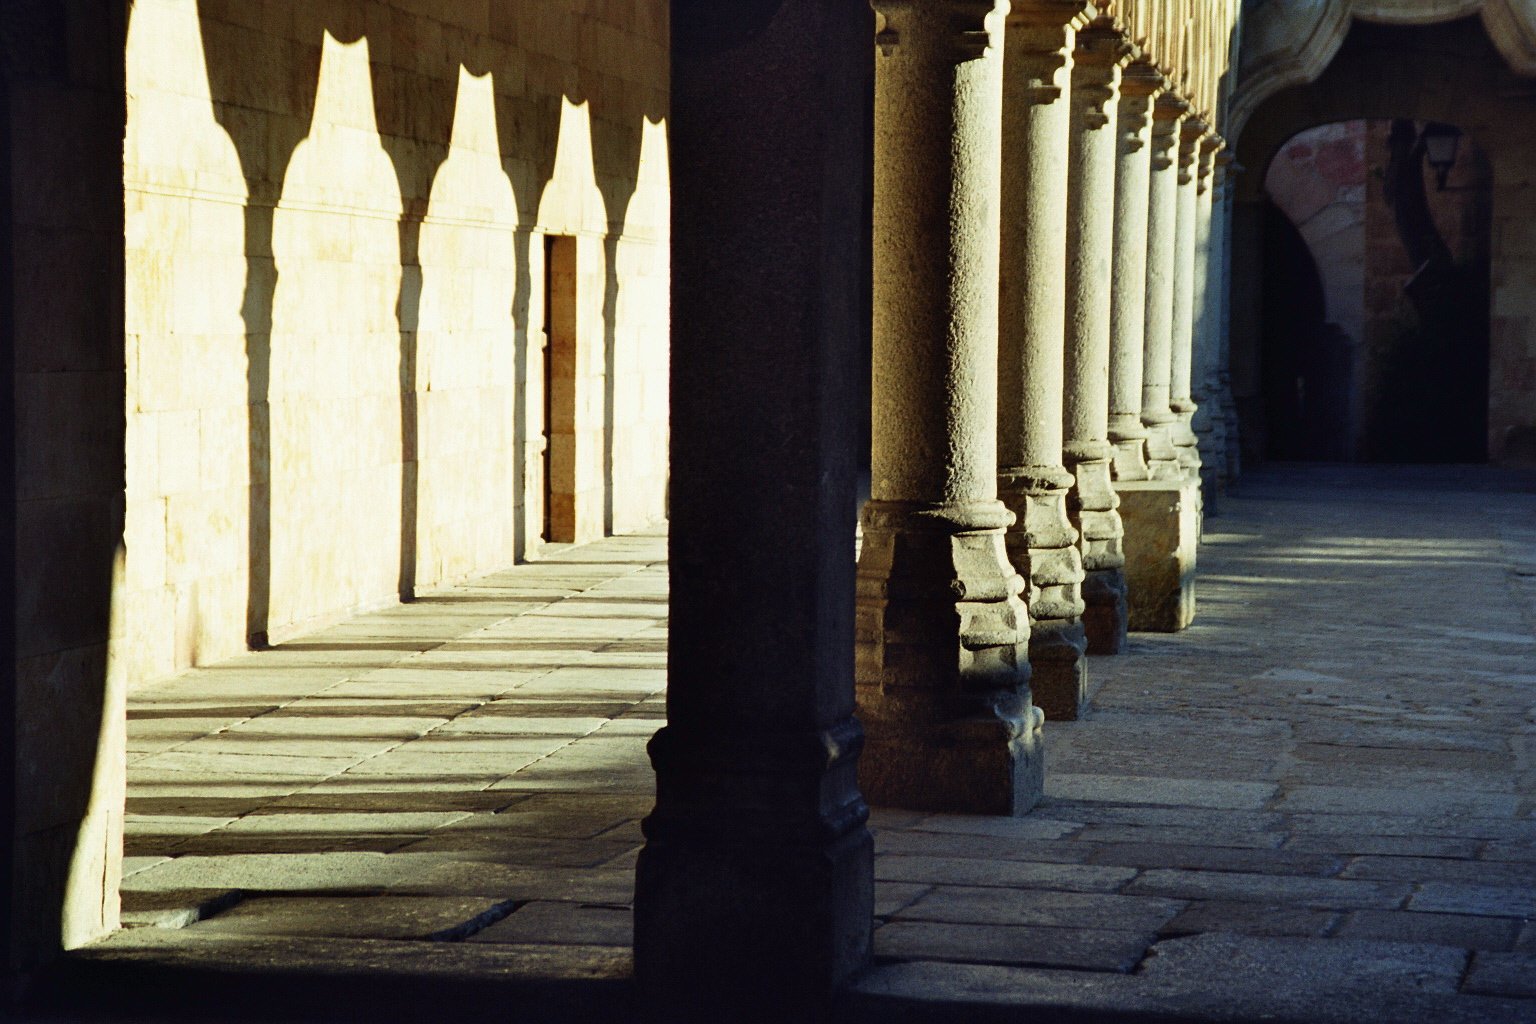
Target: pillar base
[[1058, 666], [1211, 487], [987, 764], [1162, 455], [941, 662], [708, 916], [1105, 619], [1095, 512], [1162, 524]]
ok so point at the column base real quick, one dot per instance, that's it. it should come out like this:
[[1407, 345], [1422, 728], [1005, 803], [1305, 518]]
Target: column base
[[942, 662], [1058, 667], [1162, 455], [1105, 619], [1162, 524], [1210, 491], [755, 886], [988, 764], [1130, 457]]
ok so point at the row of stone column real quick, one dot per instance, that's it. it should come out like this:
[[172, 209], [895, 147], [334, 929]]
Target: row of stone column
[[1044, 214]]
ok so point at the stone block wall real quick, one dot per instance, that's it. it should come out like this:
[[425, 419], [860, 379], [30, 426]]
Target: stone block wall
[[335, 290]]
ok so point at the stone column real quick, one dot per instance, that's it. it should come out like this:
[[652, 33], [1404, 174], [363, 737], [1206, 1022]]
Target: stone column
[[941, 654], [1162, 255], [1101, 51], [1031, 479], [1139, 86], [1187, 257], [754, 887], [1161, 515], [1210, 260], [1234, 452]]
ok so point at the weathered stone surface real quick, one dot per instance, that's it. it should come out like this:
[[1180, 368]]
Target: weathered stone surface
[[1217, 858], [561, 924], [975, 905], [1164, 791], [1492, 901], [1502, 974], [1161, 536], [969, 871], [1311, 892], [1488, 933], [1247, 918], [1440, 869], [1076, 948]]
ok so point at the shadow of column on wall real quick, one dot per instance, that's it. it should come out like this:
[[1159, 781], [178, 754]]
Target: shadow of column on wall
[[415, 118], [616, 138], [528, 131], [265, 139]]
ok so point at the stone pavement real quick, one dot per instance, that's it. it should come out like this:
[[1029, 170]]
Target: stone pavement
[[1317, 804]]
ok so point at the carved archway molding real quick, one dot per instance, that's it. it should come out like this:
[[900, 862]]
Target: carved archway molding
[[1291, 42]]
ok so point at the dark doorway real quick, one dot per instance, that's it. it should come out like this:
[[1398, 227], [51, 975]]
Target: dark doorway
[[559, 388], [1375, 338]]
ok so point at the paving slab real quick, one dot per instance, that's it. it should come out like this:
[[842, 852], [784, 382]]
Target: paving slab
[[1502, 974], [1246, 918], [1306, 822], [1461, 930], [1077, 948], [993, 872], [1487, 900], [1321, 893], [971, 905]]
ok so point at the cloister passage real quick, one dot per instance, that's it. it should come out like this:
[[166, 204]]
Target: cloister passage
[[1318, 803]]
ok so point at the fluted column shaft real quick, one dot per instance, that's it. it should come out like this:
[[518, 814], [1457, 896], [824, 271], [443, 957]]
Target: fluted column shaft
[[1210, 256], [1092, 504], [1140, 85], [1034, 484], [941, 648], [1168, 114]]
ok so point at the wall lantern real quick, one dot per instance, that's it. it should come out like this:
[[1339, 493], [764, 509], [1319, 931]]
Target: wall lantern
[[1440, 142]]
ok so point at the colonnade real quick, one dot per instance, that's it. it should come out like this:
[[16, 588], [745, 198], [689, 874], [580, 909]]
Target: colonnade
[[1095, 496], [1048, 202]]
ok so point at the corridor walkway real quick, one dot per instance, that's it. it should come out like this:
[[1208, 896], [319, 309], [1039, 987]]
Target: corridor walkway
[[1318, 804]]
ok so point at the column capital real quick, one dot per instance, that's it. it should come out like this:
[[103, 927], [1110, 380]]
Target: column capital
[[1060, 14], [1102, 51], [1210, 147], [1168, 112], [1191, 132], [1039, 41], [968, 29], [1140, 84]]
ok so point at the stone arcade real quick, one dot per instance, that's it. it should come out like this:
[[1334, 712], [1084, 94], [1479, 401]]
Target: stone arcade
[[317, 307]]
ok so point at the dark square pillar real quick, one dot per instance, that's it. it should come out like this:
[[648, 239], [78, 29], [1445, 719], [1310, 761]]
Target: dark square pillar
[[754, 891]]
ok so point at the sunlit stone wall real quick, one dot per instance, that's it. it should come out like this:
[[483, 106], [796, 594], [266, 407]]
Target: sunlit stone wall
[[335, 300]]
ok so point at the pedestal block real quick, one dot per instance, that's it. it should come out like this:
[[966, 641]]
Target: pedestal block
[[1162, 529], [1045, 551], [942, 662], [1095, 512]]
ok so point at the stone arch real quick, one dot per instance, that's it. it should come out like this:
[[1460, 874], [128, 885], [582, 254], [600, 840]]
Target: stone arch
[[1286, 44], [1453, 73]]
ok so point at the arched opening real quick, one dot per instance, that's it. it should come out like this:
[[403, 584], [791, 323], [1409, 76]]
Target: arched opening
[[1440, 320], [1374, 343]]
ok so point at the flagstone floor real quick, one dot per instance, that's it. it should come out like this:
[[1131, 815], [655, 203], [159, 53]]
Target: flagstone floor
[[1317, 804]]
